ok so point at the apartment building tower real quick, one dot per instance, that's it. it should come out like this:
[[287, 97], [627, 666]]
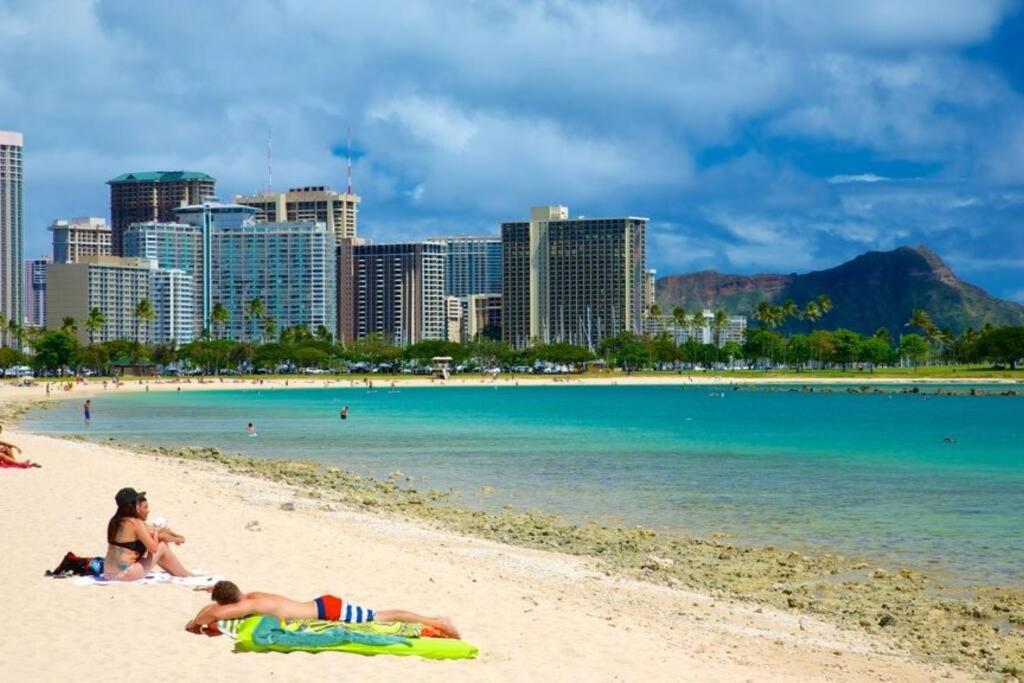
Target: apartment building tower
[[34, 283], [472, 265], [78, 237], [395, 290], [289, 267], [115, 285], [318, 203], [11, 230], [152, 196], [177, 246], [572, 280]]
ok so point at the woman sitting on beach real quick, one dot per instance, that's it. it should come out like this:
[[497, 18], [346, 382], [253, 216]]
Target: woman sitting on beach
[[7, 458], [134, 547]]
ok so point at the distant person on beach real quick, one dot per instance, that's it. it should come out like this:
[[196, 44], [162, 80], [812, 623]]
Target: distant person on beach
[[87, 411], [7, 458], [232, 603], [343, 413], [134, 546]]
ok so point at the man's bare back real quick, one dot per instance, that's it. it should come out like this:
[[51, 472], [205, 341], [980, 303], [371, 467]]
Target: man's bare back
[[277, 606]]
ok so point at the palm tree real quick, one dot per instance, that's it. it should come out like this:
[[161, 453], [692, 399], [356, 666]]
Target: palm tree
[[94, 322], [763, 313], [143, 313], [679, 320], [269, 327], [17, 332], [920, 319], [812, 314], [824, 303], [720, 320], [255, 310], [220, 316], [696, 322]]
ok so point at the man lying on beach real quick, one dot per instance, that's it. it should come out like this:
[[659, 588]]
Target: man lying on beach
[[232, 603]]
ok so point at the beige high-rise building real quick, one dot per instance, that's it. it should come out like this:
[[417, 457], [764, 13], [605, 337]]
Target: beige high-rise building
[[11, 231], [573, 280], [115, 285], [76, 238], [339, 211]]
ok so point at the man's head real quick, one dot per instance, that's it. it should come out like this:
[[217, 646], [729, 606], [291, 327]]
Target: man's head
[[226, 593]]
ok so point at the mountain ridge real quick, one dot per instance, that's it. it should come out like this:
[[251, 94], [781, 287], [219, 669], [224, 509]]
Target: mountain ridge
[[874, 289]]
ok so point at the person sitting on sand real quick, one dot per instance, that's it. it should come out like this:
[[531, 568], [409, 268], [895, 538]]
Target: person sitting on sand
[[232, 603], [134, 547], [7, 456]]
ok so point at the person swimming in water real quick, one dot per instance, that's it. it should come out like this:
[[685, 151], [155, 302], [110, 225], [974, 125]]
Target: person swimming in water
[[343, 413], [251, 428], [87, 411]]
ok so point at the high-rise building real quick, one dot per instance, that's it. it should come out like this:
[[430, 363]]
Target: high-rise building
[[78, 237], [472, 266], [483, 317], [175, 246], [153, 196], [650, 293], [115, 285], [289, 267], [34, 283], [211, 217], [395, 290], [318, 203], [11, 230], [572, 280], [453, 318]]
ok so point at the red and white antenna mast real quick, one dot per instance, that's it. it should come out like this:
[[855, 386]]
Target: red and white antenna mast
[[350, 160], [270, 159]]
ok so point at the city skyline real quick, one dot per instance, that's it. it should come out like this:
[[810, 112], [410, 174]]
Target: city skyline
[[759, 137]]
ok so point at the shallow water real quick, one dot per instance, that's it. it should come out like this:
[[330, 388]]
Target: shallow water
[[860, 474]]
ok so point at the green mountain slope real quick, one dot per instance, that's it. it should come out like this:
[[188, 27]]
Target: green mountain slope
[[876, 289]]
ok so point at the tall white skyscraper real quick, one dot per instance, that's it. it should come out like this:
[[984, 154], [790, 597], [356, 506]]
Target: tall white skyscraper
[[11, 231], [34, 284]]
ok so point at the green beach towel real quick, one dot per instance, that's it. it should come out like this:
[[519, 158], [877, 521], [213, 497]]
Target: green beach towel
[[265, 634]]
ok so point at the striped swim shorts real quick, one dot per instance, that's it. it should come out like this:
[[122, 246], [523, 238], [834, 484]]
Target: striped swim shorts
[[331, 608]]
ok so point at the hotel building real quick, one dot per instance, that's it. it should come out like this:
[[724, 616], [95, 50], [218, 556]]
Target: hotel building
[[318, 203], [34, 282], [572, 280], [79, 237], [472, 265], [177, 246], [11, 230], [290, 267], [482, 317], [395, 290], [153, 196], [115, 285]]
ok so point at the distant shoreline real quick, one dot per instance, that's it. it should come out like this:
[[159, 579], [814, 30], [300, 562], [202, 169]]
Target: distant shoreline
[[93, 386]]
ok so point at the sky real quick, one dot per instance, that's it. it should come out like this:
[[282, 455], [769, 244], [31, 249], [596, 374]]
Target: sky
[[757, 135]]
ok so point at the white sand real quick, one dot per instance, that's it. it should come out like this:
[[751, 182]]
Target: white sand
[[534, 615]]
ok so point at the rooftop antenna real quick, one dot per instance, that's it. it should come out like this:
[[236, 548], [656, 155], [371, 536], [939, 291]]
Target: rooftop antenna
[[350, 160], [270, 159]]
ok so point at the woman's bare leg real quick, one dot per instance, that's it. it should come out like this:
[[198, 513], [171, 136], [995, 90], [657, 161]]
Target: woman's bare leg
[[169, 562]]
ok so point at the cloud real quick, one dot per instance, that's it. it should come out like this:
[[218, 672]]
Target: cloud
[[757, 134], [857, 178]]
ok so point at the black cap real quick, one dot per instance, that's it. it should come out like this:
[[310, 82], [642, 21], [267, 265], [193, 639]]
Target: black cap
[[128, 495]]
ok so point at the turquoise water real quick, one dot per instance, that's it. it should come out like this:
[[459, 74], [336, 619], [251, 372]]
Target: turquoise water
[[861, 474]]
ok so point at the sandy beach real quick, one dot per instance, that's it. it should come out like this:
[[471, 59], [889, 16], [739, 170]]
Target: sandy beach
[[533, 614]]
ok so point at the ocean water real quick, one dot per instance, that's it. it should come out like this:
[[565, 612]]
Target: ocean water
[[860, 474]]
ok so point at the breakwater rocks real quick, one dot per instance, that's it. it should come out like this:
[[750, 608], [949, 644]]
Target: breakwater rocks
[[974, 627]]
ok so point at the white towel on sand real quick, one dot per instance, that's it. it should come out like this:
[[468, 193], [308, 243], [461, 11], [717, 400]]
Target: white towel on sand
[[199, 579]]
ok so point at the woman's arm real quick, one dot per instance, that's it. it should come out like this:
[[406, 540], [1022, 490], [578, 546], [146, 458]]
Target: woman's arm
[[143, 533]]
